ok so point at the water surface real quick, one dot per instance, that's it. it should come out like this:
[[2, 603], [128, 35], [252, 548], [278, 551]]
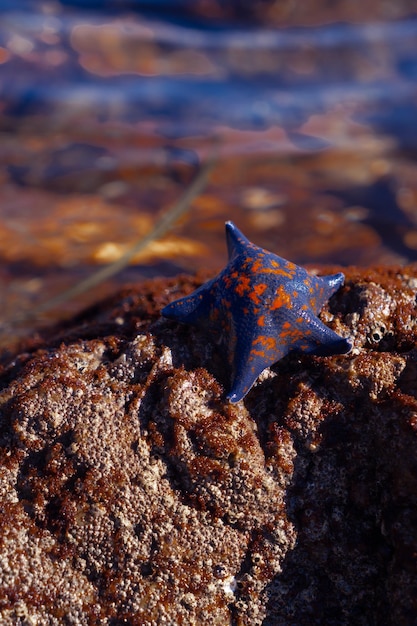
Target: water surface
[[109, 109]]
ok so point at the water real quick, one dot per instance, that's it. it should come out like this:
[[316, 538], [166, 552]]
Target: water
[[108, 110], [187, 79]]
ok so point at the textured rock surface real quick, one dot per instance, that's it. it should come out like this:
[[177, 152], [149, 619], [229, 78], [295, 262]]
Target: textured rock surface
[[132, 493]]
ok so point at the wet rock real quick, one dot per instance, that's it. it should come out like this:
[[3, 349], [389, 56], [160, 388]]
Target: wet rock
[[132, 493]]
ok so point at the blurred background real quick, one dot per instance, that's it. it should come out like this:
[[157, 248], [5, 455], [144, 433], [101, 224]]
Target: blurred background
[[109, 110]]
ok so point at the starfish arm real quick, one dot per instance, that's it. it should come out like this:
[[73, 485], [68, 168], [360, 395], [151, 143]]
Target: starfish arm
[[237, 243], [254, 353], [331, 284], [194, 309], [239, 389], [323, 288], [262, 307], [243, 381], [320, 339], [251, 356], [333, 281]]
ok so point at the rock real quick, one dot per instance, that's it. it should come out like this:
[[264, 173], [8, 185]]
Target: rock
[[132, 493]]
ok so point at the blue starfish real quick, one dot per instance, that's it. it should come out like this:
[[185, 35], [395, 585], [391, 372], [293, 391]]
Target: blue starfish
[[264, 307]]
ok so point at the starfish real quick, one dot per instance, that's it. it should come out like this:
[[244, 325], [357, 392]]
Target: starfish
[[263, 307]]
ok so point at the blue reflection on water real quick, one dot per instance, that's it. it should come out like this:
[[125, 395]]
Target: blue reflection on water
[[253, 77]]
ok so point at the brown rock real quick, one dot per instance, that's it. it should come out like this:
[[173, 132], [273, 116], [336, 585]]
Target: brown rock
[[132, 493]]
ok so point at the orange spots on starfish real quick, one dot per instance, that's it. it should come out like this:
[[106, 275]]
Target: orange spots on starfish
[[257, 266], [262, 345], [240, 302], [224, 303], [291, 334], [278, 272], [243, 285], [257, 291], [282, 298]]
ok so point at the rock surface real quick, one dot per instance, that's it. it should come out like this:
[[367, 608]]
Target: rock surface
[[132, 493]]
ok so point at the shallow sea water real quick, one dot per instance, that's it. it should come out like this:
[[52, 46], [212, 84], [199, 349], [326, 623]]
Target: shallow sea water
[[109, 110]]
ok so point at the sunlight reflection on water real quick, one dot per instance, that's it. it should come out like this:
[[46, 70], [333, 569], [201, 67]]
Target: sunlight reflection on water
[[107, 114]]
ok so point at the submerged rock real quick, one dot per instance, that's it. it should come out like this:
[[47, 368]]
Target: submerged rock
[[132, 492]]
